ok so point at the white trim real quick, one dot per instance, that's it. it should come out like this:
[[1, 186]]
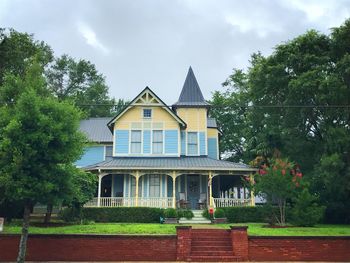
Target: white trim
[[198, 148], [142, 113]]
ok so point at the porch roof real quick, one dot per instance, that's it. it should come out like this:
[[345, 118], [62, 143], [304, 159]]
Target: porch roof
[[200, 163]]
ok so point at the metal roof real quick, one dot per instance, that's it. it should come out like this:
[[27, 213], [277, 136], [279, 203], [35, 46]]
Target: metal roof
[[191, 94], [211, 123], [96, 129], [169, 163]]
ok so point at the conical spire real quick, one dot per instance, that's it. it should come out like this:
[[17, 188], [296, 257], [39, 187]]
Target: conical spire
[[191, 94]]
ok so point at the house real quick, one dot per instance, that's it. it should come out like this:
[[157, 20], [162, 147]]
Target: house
[[154, 155]]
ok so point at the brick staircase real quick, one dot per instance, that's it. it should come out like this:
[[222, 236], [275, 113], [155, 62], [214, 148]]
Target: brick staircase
[[211, 245]]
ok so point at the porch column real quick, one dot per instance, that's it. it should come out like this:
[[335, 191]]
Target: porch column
[[99, 190], [210, 178], [174, 189], [137, 175], [252, 196]]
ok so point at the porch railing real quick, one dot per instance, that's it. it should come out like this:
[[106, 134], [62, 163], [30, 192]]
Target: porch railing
[[161, 202], [229, 202]]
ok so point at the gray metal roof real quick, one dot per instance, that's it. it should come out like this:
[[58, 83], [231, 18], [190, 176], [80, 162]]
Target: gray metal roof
[[96, 129], [211, 123], [169, 163], [191, 94]]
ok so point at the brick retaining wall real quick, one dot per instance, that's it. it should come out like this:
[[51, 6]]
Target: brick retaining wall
[[91, 248], [299, 248], [172, 247]]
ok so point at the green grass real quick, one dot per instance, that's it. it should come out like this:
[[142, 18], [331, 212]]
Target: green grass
[[143, 229]]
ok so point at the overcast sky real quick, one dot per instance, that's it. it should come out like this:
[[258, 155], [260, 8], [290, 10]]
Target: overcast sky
[[152, 43]]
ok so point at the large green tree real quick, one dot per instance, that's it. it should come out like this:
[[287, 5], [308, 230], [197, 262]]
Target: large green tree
[[39, 141], [295, 103], [68, 79]]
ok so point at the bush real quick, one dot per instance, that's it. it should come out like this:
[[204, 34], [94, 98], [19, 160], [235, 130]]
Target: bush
[[115, 214], [306, 212], [245, 214], [219, 213], [205, 214], [188, 214], [170, 213], [10, 210], [337, 213], [70, 214]]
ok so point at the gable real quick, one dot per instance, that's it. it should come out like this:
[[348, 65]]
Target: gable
[[147, 98]]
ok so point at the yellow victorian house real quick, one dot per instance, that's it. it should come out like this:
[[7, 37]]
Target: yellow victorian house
[[154, 155]]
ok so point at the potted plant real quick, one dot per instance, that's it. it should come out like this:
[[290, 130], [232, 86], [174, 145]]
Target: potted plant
[[170, 216], [219, 216]]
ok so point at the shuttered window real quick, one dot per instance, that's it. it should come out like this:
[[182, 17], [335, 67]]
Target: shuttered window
[[157, 142], [192, 143], [135, 141]]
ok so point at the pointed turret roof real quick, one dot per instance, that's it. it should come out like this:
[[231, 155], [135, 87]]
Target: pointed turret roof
[[191, 94]]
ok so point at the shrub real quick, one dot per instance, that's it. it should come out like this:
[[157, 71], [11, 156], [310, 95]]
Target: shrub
[[188, 214], [170, 213], [205, 214], [245, 214], [306, 212], [70, 214], [219, 213], [116, 214]]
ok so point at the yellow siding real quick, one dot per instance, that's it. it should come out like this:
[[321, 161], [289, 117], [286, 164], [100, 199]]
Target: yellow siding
[[195, 118], [212, 133], [135, 114]]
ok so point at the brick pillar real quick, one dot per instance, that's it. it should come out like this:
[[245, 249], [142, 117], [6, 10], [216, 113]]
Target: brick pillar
[[239, 239], [183, 246]]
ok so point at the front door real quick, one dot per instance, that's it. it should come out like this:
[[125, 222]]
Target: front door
[[193, 190]]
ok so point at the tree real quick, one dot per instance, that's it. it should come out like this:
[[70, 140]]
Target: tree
[[39, 141], [277, 182], [16, 48], [82, 84], [296, 102]]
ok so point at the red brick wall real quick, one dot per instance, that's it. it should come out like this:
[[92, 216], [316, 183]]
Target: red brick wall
[[91, 248], [299, 248]]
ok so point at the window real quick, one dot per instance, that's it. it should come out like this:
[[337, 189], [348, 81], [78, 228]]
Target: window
[[135, 142], [108, 152], [154, 185], [192, 143], [157, 142], [147, 113]]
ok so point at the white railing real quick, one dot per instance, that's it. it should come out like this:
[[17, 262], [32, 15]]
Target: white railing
[[228, 202], [161, 202]]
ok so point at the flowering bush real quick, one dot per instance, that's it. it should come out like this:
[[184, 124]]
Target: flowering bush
[[278, 182]]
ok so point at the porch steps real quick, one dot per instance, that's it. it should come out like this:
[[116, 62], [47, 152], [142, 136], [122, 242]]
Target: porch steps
[[197, 218], [211, 245]]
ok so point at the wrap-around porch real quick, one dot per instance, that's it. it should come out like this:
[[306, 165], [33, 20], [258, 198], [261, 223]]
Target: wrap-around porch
[[171, 190]]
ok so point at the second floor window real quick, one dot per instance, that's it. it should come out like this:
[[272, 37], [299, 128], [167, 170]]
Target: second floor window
[[135, 142], [192, 143], [147, 113], [157, 142]]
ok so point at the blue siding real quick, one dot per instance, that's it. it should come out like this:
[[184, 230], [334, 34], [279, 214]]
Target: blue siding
[[183, 143], [212, 148], [202, 144], [147, 141], [92, 155], [171, 141], [121, 141]]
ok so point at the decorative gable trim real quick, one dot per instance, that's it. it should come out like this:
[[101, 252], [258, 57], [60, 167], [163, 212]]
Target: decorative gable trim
[[146, 98]]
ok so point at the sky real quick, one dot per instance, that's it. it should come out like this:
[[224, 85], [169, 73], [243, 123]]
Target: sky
[[152, 43]]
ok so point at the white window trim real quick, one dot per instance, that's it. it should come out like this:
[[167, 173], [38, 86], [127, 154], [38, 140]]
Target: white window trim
[[198, 153], [141, 150], [143, 116], [163, 150]]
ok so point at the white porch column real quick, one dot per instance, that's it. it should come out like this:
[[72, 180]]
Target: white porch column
[[210, 181], [99, 190], [137, 175], [174, 188]]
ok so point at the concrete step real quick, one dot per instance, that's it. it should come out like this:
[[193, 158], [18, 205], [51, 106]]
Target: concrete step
[[194, 221]]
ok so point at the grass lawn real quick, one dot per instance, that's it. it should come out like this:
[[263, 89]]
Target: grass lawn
[[128, 228]]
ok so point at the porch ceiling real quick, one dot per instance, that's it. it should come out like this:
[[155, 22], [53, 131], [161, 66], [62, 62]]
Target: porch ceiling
[[184, 163]]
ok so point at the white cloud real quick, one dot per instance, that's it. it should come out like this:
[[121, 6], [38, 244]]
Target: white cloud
[[91, 38]]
